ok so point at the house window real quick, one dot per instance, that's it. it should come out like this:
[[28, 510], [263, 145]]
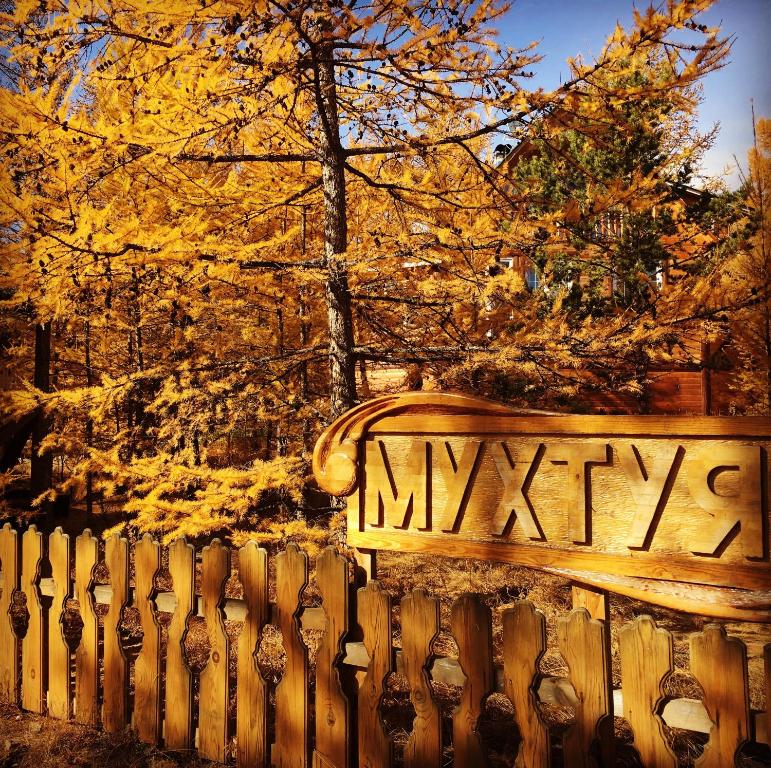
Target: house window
[[532, 278], [609, 226]]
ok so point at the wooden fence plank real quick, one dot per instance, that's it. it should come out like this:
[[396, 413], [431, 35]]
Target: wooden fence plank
[[10, 562], [87, 652], [420, 626], [334, 729], [147, 669], [524, 643], [116, 668], [213, 725], [374, 617], [33, 646], [178, 733], [647, 659], [291, 747], [719, 663], [472, 628], [59, 667], [252, 693], [583, 645]]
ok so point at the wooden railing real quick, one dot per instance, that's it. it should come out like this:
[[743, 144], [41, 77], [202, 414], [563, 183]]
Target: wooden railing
[[39, 672]]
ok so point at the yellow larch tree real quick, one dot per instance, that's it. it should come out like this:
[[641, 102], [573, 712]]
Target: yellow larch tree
[[224, 208]]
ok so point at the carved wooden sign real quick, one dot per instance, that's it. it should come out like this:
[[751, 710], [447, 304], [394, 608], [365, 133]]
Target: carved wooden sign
[[667, 508]]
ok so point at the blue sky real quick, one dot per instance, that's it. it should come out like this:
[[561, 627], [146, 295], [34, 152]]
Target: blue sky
[[568, 27]]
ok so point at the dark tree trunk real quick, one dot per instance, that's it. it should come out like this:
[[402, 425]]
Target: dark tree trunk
[[89, 425], [41, 475], [342, 360]]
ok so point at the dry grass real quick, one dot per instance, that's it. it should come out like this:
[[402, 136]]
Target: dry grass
[[32, 741]]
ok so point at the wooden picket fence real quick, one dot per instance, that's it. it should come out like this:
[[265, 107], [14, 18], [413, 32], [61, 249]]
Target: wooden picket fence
[[92, 685]]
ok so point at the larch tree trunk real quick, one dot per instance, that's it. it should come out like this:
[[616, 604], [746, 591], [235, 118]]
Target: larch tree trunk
[[41, 473], [342, 360]]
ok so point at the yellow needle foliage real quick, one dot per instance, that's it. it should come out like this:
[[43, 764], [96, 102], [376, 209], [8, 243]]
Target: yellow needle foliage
[[228, 211]]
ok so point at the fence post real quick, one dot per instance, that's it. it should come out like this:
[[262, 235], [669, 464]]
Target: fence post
[[420, 626], [334, 726], [472, 628], [291, 747], [252, 691], [59, 691], [178, 720], [9, 642], [116, 672], [715, 660], [87, 653], [33, 646], [147, 669], [524, 643], [583, 645], [374, 617], [213, 725], [647, 659]]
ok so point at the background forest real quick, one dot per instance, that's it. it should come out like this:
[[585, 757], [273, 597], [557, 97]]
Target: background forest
[[222, 222]]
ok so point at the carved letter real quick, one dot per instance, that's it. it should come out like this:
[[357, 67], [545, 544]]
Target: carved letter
[[515, 474], [456, 478], [403, 503], [726, 512], [577, 456], [646, 486]]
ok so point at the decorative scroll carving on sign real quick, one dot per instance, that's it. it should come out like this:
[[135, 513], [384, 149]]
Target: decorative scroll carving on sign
[[669, 509]]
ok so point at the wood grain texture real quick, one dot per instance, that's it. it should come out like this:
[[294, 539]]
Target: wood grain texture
[[59, 667], [33, 646], [524, 643], [213, 724], [115, 715], [374, 618], [420, 626], [87, 652], [147, 668], [10, 563], [644, 566], [584, 647], [291, 747], [660, 499], [647, 659], [758, 427], [719, 663], [178, 733], [252, 691], [471, 625], [596, 601], [334, 726]]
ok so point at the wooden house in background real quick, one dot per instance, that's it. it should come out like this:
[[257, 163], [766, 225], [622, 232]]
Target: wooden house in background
[[686, 387]]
